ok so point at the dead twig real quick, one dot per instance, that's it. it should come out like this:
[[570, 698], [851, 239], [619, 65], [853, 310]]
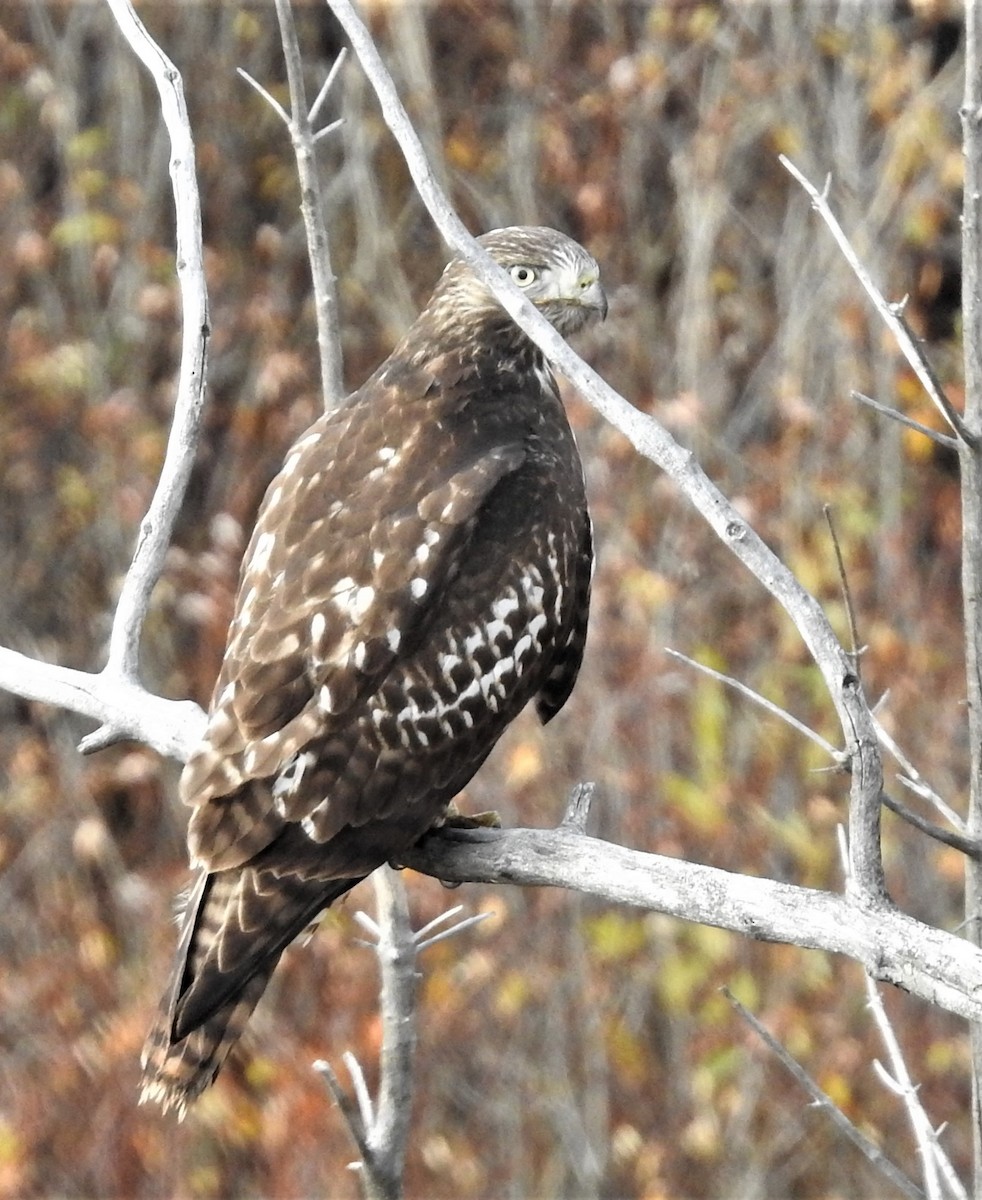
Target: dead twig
[[782, 714], [935, 1163], [821, 1099], [380, 1128], [856, 651], [942, 439], [299, 122], [891, 314]]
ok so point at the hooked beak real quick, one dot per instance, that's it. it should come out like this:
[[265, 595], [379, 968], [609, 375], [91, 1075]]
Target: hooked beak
[[593, 296]]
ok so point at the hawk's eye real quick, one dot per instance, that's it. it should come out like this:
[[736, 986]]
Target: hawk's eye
[[522, 275]]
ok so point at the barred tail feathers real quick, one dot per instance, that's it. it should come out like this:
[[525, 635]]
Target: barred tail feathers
[[175, 1073], [235, 928]]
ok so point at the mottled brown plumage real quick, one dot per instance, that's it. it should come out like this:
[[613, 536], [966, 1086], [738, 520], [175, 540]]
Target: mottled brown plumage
[[420, 570]]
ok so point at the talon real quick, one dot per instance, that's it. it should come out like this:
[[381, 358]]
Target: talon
[[453, 818], [464, 832]]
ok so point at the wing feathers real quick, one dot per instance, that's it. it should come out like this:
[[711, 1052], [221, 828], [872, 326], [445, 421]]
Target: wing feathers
[[267, 710]]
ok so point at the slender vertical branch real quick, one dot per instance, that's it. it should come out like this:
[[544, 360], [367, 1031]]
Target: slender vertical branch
[[385, 1131], [935, 1163], [158, 524], [380, 1130], [971, 490], [397, 961], [311, 208], [971, 116]]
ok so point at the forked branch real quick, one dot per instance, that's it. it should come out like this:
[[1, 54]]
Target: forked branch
[[299, 122], [114, 697]]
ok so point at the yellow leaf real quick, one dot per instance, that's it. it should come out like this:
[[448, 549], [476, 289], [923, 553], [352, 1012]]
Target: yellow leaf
[[512, 994], [86, 229], [614, 936]]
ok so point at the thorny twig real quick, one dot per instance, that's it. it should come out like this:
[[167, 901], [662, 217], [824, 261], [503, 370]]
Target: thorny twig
[[942, 439], [935, 1162], [824, 1101], [299, 124], [891, 314]]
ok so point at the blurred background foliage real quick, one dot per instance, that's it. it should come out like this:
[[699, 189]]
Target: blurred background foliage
[[566, 1049]]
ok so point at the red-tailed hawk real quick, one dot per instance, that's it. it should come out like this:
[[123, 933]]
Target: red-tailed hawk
[[420, 570]]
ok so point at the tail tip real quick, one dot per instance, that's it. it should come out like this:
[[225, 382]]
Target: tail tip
[[167, 1095]]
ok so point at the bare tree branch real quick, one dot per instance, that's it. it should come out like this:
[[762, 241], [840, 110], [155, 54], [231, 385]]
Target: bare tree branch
[[957, 841], [423, 941], [381, 1130], [351, 1111], [312, 209], [856, 650], [654, 442], [891, 314], [937, 966], [389, 1135], [382, 1133], [942, 439], [578, 807], [971, 493], [122, 708], [158, 524], [914, 779], [114, 696], [768, 705], [934, 1161], [266, 94], [889, 1170]]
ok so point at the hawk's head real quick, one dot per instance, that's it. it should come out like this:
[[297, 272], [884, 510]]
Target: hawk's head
[[559, 277]]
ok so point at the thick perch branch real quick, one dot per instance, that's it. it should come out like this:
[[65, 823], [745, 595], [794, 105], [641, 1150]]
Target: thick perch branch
[[937, 966]]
